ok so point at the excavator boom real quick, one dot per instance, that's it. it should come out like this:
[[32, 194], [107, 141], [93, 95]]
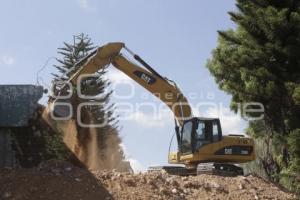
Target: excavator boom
[[162, 88]]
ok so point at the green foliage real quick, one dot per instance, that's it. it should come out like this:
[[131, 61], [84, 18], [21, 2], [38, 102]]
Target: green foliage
[[259, 61], [296, 95], [91, 86], [256, 61], [256, 166], [97, 86], [55, 147], [291, 174], [257, 129], [293, 141], [72, 53], [38, 142]]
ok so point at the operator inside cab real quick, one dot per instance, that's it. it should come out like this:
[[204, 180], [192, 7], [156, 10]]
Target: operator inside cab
[[203, 131]]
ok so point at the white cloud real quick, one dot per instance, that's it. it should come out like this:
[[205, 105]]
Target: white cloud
[[7, 60], [117, 76], [151, 119], [231, 123], [84, 4]]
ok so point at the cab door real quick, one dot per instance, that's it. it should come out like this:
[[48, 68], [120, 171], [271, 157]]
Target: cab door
[[185, 146], [202, 135]]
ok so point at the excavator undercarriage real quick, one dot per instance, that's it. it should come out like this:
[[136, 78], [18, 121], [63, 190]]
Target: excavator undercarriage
[[220, 169]]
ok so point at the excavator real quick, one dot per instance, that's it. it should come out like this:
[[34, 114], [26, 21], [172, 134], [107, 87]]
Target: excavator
[[201, 147]]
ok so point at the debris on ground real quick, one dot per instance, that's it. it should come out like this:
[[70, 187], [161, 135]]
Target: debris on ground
[[61, 180]]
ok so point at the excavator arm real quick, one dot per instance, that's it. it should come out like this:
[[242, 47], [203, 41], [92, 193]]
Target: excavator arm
[[148, 78]]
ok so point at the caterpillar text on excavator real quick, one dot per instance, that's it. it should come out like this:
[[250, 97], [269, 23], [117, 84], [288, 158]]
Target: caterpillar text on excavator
[[201, 146]]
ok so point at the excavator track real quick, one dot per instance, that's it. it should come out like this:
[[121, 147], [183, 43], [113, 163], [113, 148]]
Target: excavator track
[[220, 169], [174, 170]]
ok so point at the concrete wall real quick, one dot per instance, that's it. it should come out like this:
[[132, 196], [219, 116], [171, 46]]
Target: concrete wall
[[7, 155], [17, 104]]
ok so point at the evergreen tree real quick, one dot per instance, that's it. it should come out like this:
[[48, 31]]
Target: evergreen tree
[[259, 61], [92, 86]]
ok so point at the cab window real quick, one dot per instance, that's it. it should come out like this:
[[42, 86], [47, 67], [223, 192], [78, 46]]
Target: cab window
[[186, 145], [201, 135], [200, 131], [215, 131]]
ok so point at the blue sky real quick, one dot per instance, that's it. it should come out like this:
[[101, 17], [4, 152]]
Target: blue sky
[[175, 37]]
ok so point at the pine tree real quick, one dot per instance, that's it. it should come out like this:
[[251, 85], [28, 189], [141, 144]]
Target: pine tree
[[259, 61], [91, 86]]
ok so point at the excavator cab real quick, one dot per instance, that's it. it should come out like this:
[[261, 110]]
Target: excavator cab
[[198, 132]]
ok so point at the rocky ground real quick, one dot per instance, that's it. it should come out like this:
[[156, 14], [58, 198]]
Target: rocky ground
[[61, 180]]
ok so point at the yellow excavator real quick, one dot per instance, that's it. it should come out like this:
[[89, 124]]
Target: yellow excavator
[[201, 146]]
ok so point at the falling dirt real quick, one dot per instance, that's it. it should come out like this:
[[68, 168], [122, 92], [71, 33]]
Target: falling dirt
[[94, 152]]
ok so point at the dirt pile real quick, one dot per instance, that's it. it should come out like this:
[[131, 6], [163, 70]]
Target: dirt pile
[[60, 180], [160, 185], [51, 180]]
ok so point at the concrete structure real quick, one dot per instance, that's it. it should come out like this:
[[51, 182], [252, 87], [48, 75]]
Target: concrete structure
[[17, 104]]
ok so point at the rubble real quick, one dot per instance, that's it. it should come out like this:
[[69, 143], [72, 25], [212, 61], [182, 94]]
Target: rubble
[[61, 180]]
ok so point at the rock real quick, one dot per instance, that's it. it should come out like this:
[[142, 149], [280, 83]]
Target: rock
[[130, 182], [68, 169], [164, 172], [185, 191], [143, 180], [241, 186], [105, 176], [172, 181], [163, 191], [214, 185], [174, 191], [33, 189], [125, 186], [244, 179], [37, 133], [6, 195], [55, 171], [187, 184], [175, 183], [78, 179], [207, 187], [184, 178], [150, 182]]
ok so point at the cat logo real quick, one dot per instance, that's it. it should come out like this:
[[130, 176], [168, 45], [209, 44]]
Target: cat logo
[[228, 151], [243, 141], [145, 77]]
